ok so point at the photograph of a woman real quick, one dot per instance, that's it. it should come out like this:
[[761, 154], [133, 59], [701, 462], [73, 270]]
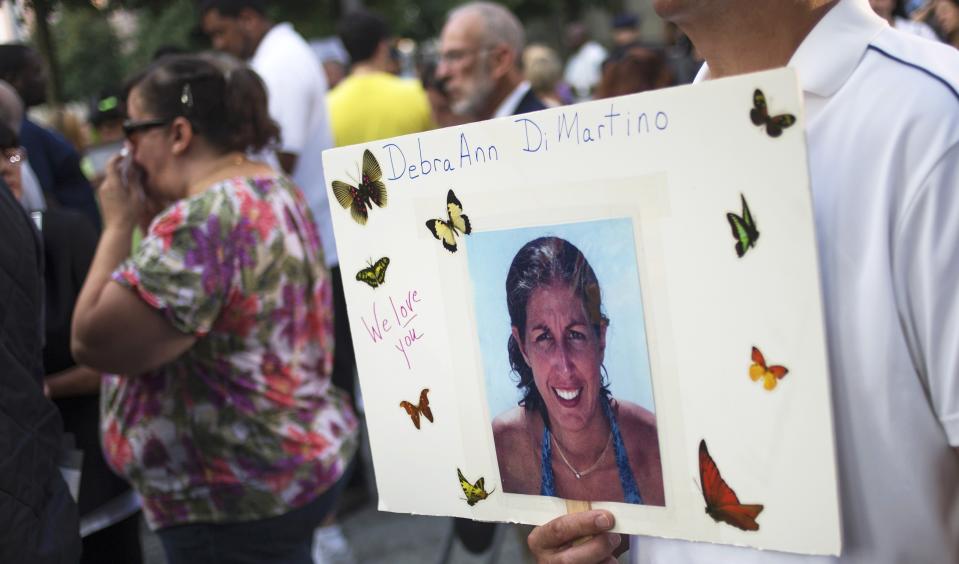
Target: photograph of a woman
[[568, 436]]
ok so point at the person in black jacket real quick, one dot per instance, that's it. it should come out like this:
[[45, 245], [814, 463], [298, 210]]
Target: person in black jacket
[[38, 518], [69, 241]]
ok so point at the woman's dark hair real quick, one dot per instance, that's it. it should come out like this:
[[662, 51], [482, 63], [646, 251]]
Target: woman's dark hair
[[227, 108], [543, 262]]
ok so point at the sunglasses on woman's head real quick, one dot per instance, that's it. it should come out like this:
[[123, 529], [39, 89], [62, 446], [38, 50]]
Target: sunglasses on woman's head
[[130, 127]]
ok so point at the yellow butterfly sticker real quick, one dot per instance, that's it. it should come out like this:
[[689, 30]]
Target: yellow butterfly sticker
[[375, 274], [458, 222], [474, 492], [770, 375]]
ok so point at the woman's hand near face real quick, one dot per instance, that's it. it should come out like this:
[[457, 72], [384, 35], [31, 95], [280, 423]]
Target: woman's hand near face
[[122, 201], [554, 542]]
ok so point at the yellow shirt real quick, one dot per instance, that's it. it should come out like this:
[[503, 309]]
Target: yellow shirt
[[377, 105]]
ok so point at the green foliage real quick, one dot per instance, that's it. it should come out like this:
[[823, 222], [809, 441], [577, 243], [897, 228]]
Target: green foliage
[[88, 51], [171, 23], [311, 19]]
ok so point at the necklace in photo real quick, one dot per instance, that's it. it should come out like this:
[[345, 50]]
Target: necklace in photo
[[577, 473]]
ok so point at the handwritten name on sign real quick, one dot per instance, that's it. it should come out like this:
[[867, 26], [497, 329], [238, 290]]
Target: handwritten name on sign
[[404, 314], [573, 127]]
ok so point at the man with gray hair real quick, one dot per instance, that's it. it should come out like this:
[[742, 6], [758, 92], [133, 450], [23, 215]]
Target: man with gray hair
[[11, 114], [480, 64]]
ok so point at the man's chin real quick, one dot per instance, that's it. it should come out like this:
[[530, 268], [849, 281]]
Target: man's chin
[[463, 108]]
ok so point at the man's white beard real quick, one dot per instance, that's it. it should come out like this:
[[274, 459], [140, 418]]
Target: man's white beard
[[476, 100]]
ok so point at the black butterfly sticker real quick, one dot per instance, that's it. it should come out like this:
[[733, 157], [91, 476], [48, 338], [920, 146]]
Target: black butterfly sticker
[[375, 274], [446, 231], [370, 190], [744, 229], [760, 116]]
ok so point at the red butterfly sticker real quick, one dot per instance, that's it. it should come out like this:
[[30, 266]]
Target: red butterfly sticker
[[721, 501], [770, 375]]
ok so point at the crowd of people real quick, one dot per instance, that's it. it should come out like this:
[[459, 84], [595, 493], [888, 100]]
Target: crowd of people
[[172, 304]]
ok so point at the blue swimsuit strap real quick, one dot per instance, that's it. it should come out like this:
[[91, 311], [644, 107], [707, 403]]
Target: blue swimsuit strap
[[626, 478]]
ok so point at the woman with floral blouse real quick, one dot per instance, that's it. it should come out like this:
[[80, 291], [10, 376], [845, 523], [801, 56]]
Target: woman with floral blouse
[[219, 327]]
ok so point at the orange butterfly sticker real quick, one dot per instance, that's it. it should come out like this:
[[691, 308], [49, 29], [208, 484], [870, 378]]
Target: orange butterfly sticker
[[722, 504], [423, 407], [770, 374]]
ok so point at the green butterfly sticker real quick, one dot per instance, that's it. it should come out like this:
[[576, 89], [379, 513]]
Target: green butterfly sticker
[[375, 274], [744, 229]]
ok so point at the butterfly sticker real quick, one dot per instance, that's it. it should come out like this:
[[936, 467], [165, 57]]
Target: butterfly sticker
[[770, 375], [370, 190], [474, 492], [760, 116], [721, 501], [375, 274], [744, 229], [423, 407], [446, 231]]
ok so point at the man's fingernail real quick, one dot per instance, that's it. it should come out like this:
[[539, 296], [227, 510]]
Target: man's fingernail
[[603, 522], [614, 540]]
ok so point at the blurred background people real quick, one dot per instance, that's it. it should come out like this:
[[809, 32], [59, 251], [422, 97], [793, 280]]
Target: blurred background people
[[366, 105], [544, 71], [480, 63], [106, 112], [218, 328], [681, 55], [635, 69], [625, 30], [54, 160], [945, 18], [583, 68], [894, 12], [333, 57]]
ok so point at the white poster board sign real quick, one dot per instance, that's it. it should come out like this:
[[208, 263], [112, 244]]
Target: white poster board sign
[[615, 302]]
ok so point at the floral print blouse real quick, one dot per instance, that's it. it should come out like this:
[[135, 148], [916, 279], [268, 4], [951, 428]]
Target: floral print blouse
[[246, 424]]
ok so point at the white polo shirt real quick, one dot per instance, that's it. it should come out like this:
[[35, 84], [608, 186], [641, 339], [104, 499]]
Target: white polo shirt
[[882, 124], [296, 86]]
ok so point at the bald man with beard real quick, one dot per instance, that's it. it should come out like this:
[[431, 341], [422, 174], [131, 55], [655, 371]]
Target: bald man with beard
[[481, 49], [882, 124]]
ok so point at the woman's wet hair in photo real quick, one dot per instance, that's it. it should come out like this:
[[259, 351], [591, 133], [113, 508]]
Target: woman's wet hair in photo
[[543, 262]]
